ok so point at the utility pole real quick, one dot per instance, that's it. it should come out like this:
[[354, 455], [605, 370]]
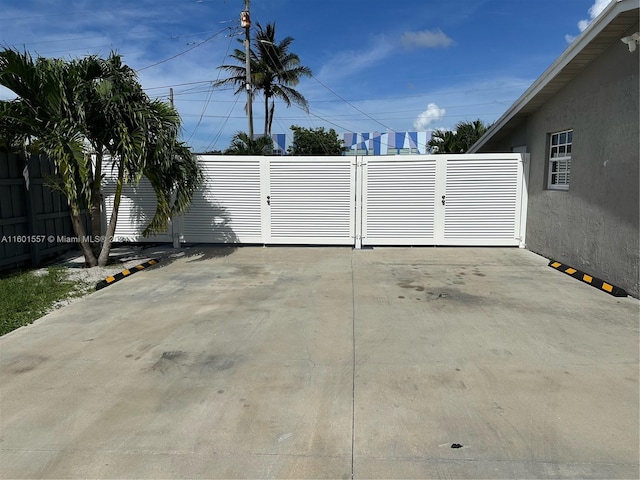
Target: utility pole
[[171, 97], [245, 21]]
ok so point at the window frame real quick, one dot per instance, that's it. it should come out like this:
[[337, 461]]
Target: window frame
[[559, 153]]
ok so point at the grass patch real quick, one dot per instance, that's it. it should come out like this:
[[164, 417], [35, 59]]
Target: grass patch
[[27, 296]]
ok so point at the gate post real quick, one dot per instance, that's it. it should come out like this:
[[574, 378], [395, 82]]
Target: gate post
[[525, 162], [359, 177]]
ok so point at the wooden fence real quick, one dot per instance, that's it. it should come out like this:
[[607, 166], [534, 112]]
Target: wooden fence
[[34, 219]]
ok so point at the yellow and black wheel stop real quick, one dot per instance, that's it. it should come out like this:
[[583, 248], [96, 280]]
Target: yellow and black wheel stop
[[125, 273], [586, 278]]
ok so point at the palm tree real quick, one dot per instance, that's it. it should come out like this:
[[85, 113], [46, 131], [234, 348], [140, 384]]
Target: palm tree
[[241, 144], [443, 141], [278, 71], [274, 71], [70, 109], [469, 132], [458, 141], [46, 117]]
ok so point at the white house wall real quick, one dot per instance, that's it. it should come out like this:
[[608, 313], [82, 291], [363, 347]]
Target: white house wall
[[594, 226]]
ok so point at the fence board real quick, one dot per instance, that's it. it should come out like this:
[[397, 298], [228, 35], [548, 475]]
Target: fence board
[[36, 212]]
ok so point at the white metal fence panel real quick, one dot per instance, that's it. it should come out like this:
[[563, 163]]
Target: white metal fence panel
[[443, 200], [399, 200], [475, 199], [137, 208], [311, 200], [482, 200], [227, 207]]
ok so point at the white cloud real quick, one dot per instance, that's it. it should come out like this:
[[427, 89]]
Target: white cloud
[[596, 9], [346, 63], [583, 24], [432, 114], [426, 39]]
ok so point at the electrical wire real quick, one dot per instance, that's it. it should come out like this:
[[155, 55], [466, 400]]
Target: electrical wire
[[81, 12], [185, 51], [206, 104], [213, 143], [455, 92], [351, 104]]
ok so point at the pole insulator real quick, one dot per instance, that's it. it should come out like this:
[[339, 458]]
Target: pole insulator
[[245, 19]]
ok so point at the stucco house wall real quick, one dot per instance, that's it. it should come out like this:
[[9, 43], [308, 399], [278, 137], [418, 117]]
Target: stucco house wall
[[594, 226]]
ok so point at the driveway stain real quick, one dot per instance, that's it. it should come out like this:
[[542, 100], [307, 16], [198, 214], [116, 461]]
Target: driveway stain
[[453, 296], [25, 363], [187, 363], [409, 284]]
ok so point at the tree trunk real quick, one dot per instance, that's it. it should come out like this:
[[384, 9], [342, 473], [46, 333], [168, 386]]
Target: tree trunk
[[271, 112], [266, 115], [111, 228], [95, 208], [81, 234]]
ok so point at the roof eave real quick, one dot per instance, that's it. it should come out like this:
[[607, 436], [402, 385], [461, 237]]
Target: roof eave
[[614, 9]]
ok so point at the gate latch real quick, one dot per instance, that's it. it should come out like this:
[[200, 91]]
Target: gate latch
[[268, 200], [443, 199]]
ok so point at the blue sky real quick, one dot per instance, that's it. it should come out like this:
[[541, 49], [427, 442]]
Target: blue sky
[[377, 65]]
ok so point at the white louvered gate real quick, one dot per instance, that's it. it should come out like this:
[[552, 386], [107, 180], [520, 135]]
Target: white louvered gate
[[472, 200], [443, 200], [482, 201], [273, 200], [399, 201], [310, 200], [228, 207]]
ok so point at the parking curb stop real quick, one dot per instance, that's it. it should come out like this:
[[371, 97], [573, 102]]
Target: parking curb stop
[[125, 273], [586, 278]]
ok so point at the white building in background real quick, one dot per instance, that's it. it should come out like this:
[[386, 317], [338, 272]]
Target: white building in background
[[389, 143], [372, 143]]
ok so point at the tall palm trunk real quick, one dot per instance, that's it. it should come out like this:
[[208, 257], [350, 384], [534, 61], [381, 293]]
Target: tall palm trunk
[[81, 234], [266, 114], [271, 112], [111, 228], [95, 209]]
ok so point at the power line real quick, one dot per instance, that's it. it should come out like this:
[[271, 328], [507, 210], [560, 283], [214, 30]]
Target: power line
[[455, 92], [213, 143], [206, 104], [177, 85], [75, 39], [185, 51], [80, 12], [347, 129], [351, 104]]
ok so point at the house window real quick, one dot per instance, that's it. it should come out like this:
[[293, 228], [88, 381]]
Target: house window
[[560, 160]]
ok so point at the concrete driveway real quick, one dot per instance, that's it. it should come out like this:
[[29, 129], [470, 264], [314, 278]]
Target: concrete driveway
[[328, 363]]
